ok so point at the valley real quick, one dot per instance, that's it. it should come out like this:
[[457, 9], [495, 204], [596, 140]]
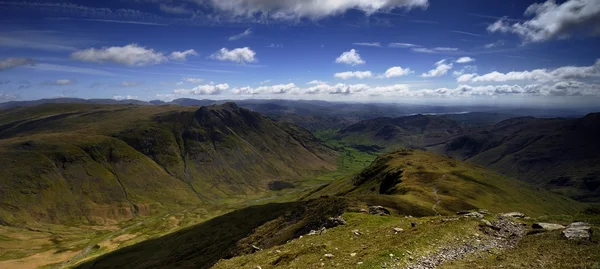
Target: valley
[[107, 186]]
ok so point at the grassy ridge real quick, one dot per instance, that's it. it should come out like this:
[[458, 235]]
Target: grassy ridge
[[417, 181]]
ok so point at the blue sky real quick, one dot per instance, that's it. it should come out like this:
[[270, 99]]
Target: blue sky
[[427, 51]]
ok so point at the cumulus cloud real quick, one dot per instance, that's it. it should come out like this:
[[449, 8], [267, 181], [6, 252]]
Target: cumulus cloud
[[368, 44], [441, 69], [132, 55], [208, 89], [551, 20], [312, 9], [60, 82], [272, 89], [9, 63], [246, 33], [562, 88], [544, 75], [350, 57], [316, 82], [238, 55], [182, 55], [356, 74], [397, 71], [464, 60]]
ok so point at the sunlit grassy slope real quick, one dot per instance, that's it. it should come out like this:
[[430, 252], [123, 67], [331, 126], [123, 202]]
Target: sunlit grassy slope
[[415, 181]]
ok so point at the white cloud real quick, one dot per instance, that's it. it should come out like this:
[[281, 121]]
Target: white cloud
[[293, 10], [60, 82], [71, 69], [126, 97], [434, 50], [397, 71], [464, 60], [544, 75], [275, 46], [182, 55], [238, 55], [7, 96], [132, 55], [193, 80], [356, 74], [265, 82], [246, 33], [402, 45], [498, 43], [467, 69], [177, 10], [208, 89], [441, 69], [272, 89], [464, 78], [130, 84], [368, 44], [350, 57], [316, 82], [9, 63], [423, 50], [551, 20], [562, 88], [445, 49]]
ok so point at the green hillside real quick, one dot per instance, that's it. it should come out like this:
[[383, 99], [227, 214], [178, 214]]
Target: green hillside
[[422, 183], [414, 185], [96, 164], [409, 131], [556, 154]]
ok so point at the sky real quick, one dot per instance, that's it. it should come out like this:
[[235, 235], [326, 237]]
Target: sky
[[423, 51]]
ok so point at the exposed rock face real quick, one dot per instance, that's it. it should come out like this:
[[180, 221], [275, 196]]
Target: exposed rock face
[[378, 210], [476, 215], [547, 226], [513, 215], [334, 222], [578, 231]]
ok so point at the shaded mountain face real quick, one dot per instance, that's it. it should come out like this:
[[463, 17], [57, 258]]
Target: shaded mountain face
[[76, 163], [558, 154], [409, 131]]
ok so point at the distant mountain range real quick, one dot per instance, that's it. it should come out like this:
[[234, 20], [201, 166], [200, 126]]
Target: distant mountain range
[[558, 154]]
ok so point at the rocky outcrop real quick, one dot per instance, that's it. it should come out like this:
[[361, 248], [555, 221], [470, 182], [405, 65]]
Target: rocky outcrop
[[378, 210], [513, 215], [578, 231], [547, 226]]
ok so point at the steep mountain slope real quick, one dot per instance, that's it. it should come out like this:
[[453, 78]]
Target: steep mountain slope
[[409, 131], [75, 163], [424, 183], [558, 154]]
